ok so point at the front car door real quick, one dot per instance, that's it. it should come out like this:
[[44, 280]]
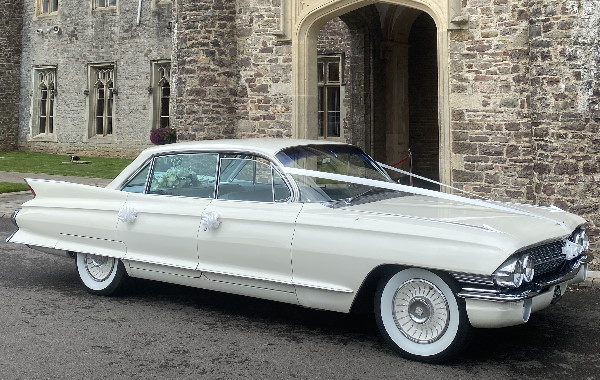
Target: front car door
[[251, 246]]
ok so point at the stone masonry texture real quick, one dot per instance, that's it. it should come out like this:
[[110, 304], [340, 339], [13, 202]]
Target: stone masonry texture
[[11, 25], [525, 103]]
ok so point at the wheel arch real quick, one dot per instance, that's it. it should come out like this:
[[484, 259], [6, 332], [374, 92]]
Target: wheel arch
[[364, 302]]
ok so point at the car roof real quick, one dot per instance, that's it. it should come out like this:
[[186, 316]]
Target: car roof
[[268, 147]]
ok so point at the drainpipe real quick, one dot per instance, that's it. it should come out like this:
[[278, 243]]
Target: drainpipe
[[139, 15]]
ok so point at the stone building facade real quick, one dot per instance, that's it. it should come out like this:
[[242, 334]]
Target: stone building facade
[[89, 74], [498, 97]]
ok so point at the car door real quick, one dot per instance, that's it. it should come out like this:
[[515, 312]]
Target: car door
[[249, 240], [168, 198]]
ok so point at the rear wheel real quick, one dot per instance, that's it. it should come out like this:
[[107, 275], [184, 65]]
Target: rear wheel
[[101, 275], [420, 316]]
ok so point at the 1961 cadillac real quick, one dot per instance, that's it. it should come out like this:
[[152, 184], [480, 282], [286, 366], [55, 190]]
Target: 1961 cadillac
[[317, 224]]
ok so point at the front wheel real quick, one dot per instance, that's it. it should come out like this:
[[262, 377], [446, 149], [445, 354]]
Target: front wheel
[[419, 315], [100, 275]]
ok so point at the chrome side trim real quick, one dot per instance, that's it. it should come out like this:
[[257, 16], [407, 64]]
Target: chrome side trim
[[13, 217], [531, 291], [11, 236], [283, 282], [237, 275]]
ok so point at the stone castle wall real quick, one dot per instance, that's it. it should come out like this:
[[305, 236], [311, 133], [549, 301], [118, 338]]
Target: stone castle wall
[[11, 14], [205, 69], [525, 103], [565, 99], [233, 75], [87, 36], [489, 101], [265, 95]]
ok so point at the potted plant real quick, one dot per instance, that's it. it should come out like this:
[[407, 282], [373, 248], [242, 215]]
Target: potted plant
[[160, 136]]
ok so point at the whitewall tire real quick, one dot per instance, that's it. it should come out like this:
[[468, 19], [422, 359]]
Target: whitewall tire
[[101, 275], [420, 316]]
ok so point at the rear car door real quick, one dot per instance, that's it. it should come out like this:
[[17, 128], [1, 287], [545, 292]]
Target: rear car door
[[165, 204]]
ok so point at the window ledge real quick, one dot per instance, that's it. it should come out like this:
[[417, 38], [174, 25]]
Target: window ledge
[[51, 137], [101, 139], [106, 9], [46, 15]]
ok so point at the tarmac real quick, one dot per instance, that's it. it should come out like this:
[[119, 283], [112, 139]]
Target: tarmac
[[10, 201]]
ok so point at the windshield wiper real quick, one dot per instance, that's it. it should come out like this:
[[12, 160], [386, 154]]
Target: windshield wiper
[[350, 200]]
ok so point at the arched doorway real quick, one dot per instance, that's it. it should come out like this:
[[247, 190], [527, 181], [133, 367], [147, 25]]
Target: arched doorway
[[392, 96]]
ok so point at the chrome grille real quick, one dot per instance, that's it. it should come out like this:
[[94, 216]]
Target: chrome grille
[[474, 279], [547, 258]]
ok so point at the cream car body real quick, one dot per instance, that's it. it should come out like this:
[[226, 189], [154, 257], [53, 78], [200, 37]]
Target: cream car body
[[328, 255]]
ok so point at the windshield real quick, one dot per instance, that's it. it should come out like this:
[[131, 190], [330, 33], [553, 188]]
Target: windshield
[[337, 159]]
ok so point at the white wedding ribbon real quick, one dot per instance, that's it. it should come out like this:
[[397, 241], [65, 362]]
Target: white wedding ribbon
[[419, 191], [429, 180]]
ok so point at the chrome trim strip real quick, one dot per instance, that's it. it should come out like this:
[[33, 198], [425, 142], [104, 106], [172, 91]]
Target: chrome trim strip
[[156, 263], [475, 279], [283, 282], [13, 216], [11, 236]]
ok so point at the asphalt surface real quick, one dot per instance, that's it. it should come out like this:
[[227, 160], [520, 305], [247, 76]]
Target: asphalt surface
[[51, 328]]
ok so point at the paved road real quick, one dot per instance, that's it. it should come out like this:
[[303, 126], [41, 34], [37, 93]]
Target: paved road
[[52, 328]]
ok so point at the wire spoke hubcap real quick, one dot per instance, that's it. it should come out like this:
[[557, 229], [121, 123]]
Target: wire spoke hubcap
[[99, 267], [420, 311]]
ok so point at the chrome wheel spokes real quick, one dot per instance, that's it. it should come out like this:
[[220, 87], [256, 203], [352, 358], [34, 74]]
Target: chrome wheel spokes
[[420, 311], [99, 267]]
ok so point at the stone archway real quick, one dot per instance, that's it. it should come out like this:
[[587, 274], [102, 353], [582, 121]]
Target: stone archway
[[304, 43]]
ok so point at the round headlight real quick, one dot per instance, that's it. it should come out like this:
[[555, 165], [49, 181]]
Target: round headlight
[[582, 240], [528, 268], [510, 274]]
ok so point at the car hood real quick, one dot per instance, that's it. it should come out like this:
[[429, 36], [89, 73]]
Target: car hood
[[521, 225]]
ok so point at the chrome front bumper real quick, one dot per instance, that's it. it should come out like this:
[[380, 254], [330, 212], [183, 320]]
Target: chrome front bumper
[[490, 308]]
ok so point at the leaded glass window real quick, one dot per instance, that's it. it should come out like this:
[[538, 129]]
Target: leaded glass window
[[329, 77], [102, 100], [47, 7], [45, 92], [105, 3], [164, 87], [161, 90]]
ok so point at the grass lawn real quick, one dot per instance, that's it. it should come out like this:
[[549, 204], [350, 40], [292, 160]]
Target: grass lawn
[[6, 187], [27, 162]]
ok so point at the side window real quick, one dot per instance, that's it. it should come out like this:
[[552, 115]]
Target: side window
[[138, 183], [248, 178], [188, 175]]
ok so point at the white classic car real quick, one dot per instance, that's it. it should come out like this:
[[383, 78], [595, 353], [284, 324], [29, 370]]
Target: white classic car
[[317, 224]]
